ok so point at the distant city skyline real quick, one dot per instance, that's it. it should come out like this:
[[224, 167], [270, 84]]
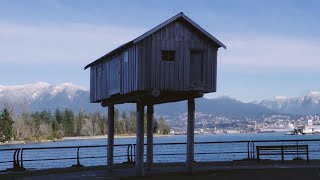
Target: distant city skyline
[[273, 47]]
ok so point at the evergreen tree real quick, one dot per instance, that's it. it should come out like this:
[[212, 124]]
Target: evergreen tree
[[102, 124], [55, 125], [36, 118], [30, 125], [155, 126], [68, 122], [118, 126], [79, 122], [6, 124], [45, 116], [124, 121], [43, 124], [96, 118], [116, 114], [164, 128], [58, 115], [131, 123], [118, 123]]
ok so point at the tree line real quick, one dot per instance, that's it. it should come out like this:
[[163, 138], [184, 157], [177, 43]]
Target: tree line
[[47, 125]]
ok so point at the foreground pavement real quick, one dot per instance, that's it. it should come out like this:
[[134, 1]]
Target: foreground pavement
[[273, 171]]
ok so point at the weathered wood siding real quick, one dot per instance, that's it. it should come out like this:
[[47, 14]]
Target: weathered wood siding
[[140, 67], [96, 79], [92, 85], [129, 71], [175, 75], [114, 76]]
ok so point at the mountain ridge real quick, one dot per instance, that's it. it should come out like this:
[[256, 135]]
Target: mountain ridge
[[304, 105], [42, 95]]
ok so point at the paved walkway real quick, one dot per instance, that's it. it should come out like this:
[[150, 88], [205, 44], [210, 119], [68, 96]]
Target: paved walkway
[[221, 172]]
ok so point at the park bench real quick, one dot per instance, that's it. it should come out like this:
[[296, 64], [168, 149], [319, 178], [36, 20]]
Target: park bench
[[282, 150]]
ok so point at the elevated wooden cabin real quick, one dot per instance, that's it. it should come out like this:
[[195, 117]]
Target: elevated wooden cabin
[[177, 60], [168, 62]]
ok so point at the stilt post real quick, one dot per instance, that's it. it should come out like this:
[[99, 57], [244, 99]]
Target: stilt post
[[110, 137], [150, 112], [139, 139], [190, 134]]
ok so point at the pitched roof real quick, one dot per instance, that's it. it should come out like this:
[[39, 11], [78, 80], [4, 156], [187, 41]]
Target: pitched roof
[[180, 15], [136, 40]]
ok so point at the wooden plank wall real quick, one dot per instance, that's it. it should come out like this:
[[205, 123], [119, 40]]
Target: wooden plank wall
[[158, 74], [100, 87], [95, 88], [92, 85], [114, 75], [145, 70], [129, 71]]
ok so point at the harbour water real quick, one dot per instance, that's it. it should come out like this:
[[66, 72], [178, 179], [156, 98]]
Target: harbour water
[[207, 152]]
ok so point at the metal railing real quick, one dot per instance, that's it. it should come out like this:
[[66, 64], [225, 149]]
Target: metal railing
[[64, 156], [77, 156]]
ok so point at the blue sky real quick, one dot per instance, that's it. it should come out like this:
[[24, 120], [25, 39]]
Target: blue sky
[[273, 46]]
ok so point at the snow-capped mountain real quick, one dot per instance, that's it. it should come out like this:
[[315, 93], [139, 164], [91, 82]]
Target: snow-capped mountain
[[40, 96], [304, 105], [220, 106]]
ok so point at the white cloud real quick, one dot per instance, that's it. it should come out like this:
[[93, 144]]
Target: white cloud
[[264, 51], [60, 44]]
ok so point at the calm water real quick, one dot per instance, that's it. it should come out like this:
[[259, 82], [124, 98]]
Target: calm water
[[163, 153]]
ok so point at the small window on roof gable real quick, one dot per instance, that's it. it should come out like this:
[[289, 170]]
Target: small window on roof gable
[[168, 55]]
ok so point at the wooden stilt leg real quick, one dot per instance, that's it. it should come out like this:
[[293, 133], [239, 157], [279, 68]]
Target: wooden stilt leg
[[110, 137], [150, 112], [139, 140], [190, 134]]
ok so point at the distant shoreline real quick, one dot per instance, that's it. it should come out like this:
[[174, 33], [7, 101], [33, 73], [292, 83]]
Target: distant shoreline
[[75, 138], [105, 136]]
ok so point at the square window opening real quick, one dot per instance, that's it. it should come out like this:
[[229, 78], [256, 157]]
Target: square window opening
[[168, 55]]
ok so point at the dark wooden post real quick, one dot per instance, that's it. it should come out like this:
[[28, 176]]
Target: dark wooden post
[[190, 134], [150, 112], [110, 137], [139, 139]]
